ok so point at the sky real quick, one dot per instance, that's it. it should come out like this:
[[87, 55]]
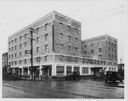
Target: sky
[[97, 17]]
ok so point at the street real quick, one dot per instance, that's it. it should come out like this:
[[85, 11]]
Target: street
[[61, 89]]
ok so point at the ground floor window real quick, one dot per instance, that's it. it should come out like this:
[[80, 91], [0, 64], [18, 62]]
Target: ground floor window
[[60, 70], [69, 69], [76, 69], [85, 70]]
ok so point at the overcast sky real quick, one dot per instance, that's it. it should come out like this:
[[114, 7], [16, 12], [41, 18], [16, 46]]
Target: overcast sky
[[98, 17]]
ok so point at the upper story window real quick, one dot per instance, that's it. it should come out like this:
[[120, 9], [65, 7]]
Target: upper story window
[[76, 39], [20, 46], [92, 44], [25, 36], [12, 48], [20, 53], [85, 52], [69, 27], [9, 42], [20, 38], [61, 24], [37, 50], [37, 40], [15, 48], [69, 47], [92, 51], [46, 26], [76, 49], [25, 61], [46, 47], [12, 41], [100, 49], [46, 37], [69, 38], [25, 44], [15, 40], [37, 30], [15, 55]]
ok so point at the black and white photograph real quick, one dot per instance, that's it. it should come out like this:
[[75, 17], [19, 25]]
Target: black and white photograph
[[63, 49]]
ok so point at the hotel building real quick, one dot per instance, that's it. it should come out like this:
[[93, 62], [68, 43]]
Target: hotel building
[[57, 49]]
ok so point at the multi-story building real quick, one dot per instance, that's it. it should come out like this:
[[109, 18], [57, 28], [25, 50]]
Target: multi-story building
[[56, 48], [5, 64], [101, 48]]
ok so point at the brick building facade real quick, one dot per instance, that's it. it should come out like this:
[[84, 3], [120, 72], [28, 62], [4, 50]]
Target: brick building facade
[[57, 48]]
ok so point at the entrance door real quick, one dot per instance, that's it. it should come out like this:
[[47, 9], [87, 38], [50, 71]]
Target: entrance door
[[47, 70]]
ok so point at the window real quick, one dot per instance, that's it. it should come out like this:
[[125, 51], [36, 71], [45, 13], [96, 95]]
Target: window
[[69, 38], [69, 69], [20, 53], [75, 48], [25, 36], [20, 46], [76, 39], [15, 47], [46, 58], [20, 61], [46, 47], [60, 69], [69, 47], [68, 26], [25, 53], [12, 48], [61, 24], [109, 55], [15, 55], [37, 30], [20, 38], [37, 50], [46, 37], [37, 40], [15, 62], [85, 46], [100, 49], [38, 59], [76, 69], [91, 44], [25, 61], [100, 56], [85, 52], [12, 55], [85, 70], [25, 44], [15, 40], [12, 41], [92, 51], [46, 26]]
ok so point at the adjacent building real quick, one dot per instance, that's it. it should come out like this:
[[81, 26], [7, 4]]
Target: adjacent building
[[5, 64], [57, 49]]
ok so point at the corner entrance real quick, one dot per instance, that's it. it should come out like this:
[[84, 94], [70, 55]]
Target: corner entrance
[[47, 71]]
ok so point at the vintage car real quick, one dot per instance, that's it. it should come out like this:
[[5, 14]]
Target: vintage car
[[113, 76]]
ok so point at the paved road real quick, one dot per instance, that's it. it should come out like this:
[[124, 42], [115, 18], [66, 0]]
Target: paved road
[[60, 89]]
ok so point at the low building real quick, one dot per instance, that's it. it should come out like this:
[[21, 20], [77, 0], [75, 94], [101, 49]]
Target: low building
[[5, 66]]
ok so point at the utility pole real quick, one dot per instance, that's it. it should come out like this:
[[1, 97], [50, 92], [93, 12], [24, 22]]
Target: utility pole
[[31, 52]]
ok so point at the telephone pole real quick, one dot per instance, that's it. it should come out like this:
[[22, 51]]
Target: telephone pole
[[31, 52]]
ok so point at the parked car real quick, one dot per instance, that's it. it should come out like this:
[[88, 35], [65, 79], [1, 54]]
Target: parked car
[[113, 76], [73, 76]]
